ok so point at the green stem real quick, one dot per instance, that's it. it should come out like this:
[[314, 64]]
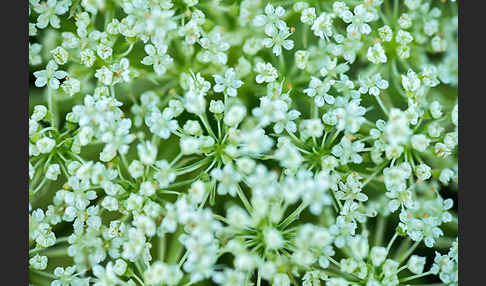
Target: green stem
[[282, 62], [52, 108], [127, 51], [372, 176], [45, 274], [409, 251], [192, 167], [380, 230], [391, 242], [293, 216], [415, 276], [395, 9], [385, 110], [244, 200], [334, 136]]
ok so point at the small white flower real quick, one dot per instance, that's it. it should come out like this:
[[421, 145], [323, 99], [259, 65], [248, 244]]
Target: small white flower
[[323, 26], [53, 171], [71, 86], [308, 16], [165, 174], [272, 19], [416, 264], [49, 76], [227, 84], [348, 151], [278, 39], [376, 54], [48, 12], [157, 57], [420, 142], [423, 172], [435, 109], [266, 72], [411, 82], [38, 262], [45, 145], [60, 55], [162, 124], [228, 179]]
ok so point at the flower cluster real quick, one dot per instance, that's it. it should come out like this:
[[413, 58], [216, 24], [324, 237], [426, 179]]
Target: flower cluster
[[242, 143]]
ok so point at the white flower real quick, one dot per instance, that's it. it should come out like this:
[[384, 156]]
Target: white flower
[[301, 59], [48, 12], [423, 172], [60, 55], [228, 179], [350, 117], [252, 46], [395, 176], [216, 106], [348, 151], [53, 171], [373, 84], [378, 255], [311, 128], [429, 76], [308, 16], [229, 84], [45, 145], [214, 48], [323, 26], [197, 191], [376, 54], [110, 203], [87, 57], [49, 76], [446, 175], [190, 145], [105, 75], [420, 142], [277, 39], [359, 21], [103, 51], [266, 72], [235, 115], [40, 111], [34, 54], [403, 37], [38, 262], [318, 90], [416, 264], [229, 277], [160, 272], [255, 142], [157, 57], [121, 71], [164, 175], [71, 86], [272, 19], [147, 189], [273, 238], [386, 33], [147, 152], [410, 82], [435, 109], [161, 124], [281, 279], [135, 169]]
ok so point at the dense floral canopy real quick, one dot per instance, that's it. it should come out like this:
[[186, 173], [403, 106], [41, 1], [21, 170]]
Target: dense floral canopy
[[218, 142]]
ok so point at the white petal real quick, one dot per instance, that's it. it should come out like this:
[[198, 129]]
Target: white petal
[[40, 81]]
